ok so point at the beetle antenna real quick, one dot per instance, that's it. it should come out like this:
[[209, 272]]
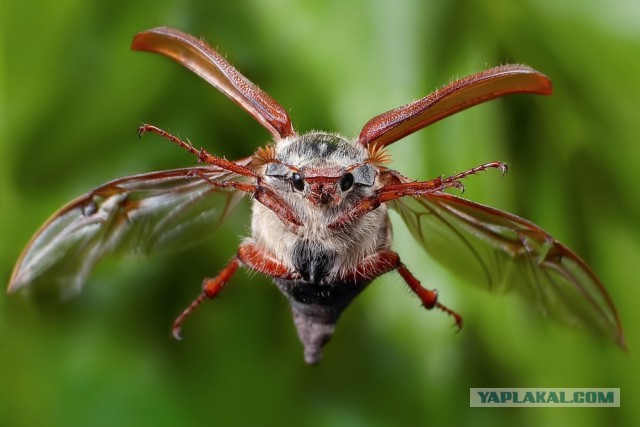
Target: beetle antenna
[[377, 154], [264, 155]]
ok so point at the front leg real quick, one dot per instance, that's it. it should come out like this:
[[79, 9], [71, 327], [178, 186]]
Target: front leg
[[396, 190], [201, 154], [258, 191], [264, 195]]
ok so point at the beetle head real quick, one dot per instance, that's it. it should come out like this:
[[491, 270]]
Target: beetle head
[[325, 169]]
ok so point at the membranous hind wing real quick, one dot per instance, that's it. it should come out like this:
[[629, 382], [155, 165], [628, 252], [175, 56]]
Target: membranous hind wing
[[139, 214], [503, 252]]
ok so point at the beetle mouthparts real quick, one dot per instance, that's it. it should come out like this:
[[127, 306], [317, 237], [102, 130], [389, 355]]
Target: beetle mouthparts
[[321, 193]]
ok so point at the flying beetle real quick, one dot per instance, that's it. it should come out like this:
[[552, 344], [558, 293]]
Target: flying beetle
[[320, 227]]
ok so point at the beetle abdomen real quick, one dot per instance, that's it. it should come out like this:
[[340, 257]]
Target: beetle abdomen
[[329, 295], [316, 309]]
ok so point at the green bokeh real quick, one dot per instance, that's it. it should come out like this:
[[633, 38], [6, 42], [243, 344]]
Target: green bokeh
[[72, 95]]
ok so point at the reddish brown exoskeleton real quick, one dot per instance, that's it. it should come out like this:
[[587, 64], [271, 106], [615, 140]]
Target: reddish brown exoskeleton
[[320, 225]]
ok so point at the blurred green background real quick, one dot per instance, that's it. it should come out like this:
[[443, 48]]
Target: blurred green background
[[72, 95]]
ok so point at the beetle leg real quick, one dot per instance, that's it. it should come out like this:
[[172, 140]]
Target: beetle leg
[[503, 167], [388, 193], [274, 203], [257, 259], [202, 155], [249, 255], [211, 287], [385, 261], [371, 267], [428, 297], [262, 194], [394, 191]]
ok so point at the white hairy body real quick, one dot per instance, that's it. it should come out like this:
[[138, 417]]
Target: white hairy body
[[351, 245]]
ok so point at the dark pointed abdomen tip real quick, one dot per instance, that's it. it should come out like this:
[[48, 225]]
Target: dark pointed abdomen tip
[[312, 356], [314, 332]]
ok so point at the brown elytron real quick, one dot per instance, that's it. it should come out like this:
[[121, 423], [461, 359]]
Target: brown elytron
[[320, 225]]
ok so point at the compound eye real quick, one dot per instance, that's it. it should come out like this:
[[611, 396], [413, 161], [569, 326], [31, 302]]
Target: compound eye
[[297, 181], [346, 182]]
